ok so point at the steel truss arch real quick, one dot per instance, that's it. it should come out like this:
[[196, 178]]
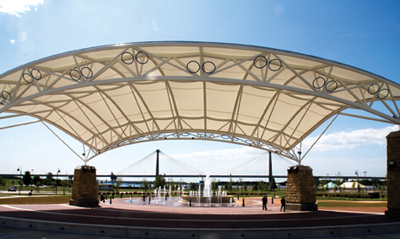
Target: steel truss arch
[[111, 96]]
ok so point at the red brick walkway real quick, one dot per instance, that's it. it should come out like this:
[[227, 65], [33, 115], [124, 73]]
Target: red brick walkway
[[125, 214]]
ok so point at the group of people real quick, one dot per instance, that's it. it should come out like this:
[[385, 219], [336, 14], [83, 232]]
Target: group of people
[[265, 201]]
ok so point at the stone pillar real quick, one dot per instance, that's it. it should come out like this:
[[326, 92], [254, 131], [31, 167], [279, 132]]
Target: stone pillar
[[300, 189], [393, 174], [85, 189]]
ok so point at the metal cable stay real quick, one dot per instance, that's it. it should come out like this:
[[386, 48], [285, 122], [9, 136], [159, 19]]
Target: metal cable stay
[[324, 85], [168, 166]]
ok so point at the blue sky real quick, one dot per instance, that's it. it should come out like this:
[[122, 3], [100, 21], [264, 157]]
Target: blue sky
[[364, 34]]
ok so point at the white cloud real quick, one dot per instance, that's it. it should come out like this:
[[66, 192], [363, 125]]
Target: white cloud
[[15, 7], [349, 140], [12, 41], [22, 36]]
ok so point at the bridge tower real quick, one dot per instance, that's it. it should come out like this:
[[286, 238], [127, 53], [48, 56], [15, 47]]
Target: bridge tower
[[270, 167], [158, 162]]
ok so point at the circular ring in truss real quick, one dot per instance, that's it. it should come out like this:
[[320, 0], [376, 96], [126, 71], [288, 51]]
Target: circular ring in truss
[[185, 134], [225, 136], [38, 73], [316, 80], [72, 72], [383, 94], [248, 141], [280, 64], [261, 60], [131, 56], [5, 95], [26, 80], [189, 69], [89, 71], [213, 67], [377, 89], [144, 58], [331, 86]]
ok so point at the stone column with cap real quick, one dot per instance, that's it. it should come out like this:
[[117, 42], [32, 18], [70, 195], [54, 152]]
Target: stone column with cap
[[85, 188], [300, 189], [393, 175]]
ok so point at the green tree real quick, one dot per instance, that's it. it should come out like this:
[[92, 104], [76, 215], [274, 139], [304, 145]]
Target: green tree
[[64, 183], [214, 185], [159, 181], [27, 178], [57, 182], [38, 184], [201, 185], [2, 181], [230, 185], [241, 184], [145, 185], [272, 185], [171, 183], [118, 183], [47, 182], [49, 176], [261, 186], [255, 188], [35, 179]]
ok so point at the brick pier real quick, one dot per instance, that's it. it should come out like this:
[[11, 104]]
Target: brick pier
[[300, 189], [84, 190], [393, 174]]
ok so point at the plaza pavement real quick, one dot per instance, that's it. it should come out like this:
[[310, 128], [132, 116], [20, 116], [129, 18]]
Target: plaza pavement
[[122, 219]]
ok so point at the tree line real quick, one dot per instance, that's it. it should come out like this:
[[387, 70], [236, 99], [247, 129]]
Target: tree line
[[48, 181]]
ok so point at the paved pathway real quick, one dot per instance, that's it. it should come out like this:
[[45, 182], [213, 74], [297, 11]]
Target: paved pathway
[[125, 214], [122, 213]]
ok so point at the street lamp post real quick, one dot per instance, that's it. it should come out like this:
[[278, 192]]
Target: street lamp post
[[58, 170], [365, 174], [20, 178]]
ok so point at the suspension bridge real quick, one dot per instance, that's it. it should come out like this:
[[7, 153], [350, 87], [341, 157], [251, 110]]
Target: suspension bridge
[[262, 166], [159, 163]]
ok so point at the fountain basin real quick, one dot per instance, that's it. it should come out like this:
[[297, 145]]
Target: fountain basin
[[194, 199]]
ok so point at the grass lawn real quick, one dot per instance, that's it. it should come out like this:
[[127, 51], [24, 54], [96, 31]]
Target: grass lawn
[[351, 204], [351, 199], [36, 200]]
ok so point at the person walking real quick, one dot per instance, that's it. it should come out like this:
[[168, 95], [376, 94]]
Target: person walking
[[283, 203], [264, 202]]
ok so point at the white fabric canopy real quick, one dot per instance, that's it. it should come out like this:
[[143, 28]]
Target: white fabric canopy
[[351, 184], [116, 95]]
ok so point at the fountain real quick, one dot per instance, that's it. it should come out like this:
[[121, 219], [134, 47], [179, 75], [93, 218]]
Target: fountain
[[208, 197]]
